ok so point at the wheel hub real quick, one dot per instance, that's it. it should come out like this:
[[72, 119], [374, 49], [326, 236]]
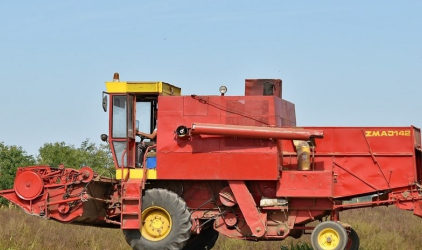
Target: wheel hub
[[156, 223], [328, 239]]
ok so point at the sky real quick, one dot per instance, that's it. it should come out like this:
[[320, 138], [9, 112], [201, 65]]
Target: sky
[[343, 63]]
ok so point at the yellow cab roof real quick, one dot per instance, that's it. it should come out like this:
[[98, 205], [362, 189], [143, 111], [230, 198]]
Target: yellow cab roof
[[159, 88]]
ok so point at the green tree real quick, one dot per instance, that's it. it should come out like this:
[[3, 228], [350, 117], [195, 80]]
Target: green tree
[[98, 158], [88, 154], [12, 157]]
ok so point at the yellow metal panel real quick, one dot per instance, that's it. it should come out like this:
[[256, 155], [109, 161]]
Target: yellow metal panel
[[144, 87], [116, 87], [136, 173], [159, 88], [167, 89]]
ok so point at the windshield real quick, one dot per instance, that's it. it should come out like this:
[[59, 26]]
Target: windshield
[[143, 115]]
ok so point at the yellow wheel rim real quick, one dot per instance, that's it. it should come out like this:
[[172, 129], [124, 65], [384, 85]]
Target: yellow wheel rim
[[328, 239], [156, 223]]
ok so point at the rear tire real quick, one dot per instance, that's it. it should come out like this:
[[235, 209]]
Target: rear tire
[[353, 242], [168, 215], [329, 235], [205, 240]]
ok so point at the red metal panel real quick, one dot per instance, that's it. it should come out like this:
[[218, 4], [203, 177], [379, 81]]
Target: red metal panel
[[261, 87], [417, 135], [359, 175], [215, 157], [217, 166], [305, 184], [354, 139], [288, 114], [191, 107], [249, 111], [363, 160], [237, 110], [169, 106]]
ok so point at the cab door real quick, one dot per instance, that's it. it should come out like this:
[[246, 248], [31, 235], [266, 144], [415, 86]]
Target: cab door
[[131, 130]]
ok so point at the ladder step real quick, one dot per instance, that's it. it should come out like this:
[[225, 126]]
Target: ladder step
[[129, 198], [130, 213], [131, 205]]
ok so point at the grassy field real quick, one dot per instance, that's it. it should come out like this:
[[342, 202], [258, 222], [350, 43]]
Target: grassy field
[[378, 228]]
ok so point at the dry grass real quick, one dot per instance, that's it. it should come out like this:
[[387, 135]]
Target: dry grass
[[386, 228], [21, 231], [378, 228]]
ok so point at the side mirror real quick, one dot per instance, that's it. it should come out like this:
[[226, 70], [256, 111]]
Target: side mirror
[[137, 124], [104, 102]]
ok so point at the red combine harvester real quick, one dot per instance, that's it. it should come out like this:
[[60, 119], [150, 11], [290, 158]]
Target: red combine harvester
[[231, 165]]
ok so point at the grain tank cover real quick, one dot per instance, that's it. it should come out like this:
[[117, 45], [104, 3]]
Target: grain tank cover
[[146, 88]]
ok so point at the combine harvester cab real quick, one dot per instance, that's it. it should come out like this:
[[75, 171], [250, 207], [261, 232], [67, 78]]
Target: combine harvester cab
[[231, 165]]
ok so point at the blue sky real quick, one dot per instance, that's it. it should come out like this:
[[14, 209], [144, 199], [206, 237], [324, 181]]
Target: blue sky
[[343, 63]]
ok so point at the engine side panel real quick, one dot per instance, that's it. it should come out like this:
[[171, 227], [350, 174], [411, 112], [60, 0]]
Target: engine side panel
[[203, 157]]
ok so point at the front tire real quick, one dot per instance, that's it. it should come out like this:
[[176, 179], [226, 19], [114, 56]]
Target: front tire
[[166, 222], [329, 235]]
